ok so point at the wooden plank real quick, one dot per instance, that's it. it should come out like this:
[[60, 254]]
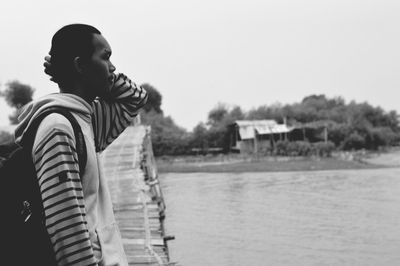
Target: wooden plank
[[153, 241], [138, 206]]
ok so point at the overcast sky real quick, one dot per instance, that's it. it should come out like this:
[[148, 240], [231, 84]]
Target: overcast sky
[[198, 53]]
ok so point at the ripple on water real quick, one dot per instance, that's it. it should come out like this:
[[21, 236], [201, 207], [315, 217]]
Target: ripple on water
[[347, 217]]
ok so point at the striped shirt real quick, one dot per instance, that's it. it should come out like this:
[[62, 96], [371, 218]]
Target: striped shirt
[[57, 168]]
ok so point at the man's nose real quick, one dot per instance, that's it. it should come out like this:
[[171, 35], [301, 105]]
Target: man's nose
[[112, 67]]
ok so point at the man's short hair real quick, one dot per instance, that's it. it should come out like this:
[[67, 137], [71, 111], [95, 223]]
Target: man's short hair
[[69, 42]]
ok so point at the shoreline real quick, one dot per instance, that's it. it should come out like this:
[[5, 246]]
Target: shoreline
[[235, 163]]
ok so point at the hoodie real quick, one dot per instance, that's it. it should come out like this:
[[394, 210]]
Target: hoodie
[[78, 209]]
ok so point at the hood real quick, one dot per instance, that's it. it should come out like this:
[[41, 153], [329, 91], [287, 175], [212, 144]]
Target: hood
[[31, 110]]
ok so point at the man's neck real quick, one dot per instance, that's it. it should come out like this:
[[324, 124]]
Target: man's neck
[[78, 90]]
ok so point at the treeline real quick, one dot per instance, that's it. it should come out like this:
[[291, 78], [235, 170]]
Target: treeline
[[350, 126]]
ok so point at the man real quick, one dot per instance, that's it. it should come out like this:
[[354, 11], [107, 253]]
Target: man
[[78, 209]]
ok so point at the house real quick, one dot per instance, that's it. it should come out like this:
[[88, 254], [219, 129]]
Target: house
[[312, 131], [252, 136]]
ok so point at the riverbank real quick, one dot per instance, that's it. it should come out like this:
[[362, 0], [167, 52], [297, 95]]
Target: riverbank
[[238, 163]]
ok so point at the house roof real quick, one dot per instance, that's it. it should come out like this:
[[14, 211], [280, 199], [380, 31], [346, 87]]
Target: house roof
[[247, 128]]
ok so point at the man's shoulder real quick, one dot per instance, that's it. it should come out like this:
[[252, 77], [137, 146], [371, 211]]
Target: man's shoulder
[[54, 121]]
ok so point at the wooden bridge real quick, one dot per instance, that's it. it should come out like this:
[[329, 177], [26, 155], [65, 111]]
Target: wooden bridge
[[137, 198]]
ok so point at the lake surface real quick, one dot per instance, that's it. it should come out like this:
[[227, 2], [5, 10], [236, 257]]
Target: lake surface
[[349, 217]]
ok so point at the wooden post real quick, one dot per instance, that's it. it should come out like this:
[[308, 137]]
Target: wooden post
[[231, 139], [236, 134], [255, 142], [285, 123], [326, 134], [273, 140]]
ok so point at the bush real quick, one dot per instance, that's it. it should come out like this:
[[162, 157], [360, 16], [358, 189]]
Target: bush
[[381, 136], [338, 132], [298, 148], [167, 138], [6, 137], [293, 148], [324, 149], [354, 141], [281, 147], [304, 148]]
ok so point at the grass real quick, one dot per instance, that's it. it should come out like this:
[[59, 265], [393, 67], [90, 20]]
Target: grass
[[237, 164]]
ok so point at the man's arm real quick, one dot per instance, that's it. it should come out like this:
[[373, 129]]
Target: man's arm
[[57, 168], [111, 116]]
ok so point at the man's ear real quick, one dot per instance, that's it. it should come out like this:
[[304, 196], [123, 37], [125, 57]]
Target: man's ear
[[78, 65]]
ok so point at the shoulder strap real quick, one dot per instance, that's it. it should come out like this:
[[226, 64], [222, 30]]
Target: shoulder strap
[[79, 137]]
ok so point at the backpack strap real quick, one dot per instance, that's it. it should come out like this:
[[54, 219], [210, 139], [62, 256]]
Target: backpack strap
[[28, 140]]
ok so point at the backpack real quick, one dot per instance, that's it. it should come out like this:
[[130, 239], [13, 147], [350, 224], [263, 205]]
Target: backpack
[[23, 233]]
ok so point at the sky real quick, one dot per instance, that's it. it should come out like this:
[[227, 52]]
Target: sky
[[199, 53]]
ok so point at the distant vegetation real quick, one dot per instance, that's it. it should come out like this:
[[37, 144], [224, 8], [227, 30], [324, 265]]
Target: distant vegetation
[[17, 95], [167, 137], [351, 126]]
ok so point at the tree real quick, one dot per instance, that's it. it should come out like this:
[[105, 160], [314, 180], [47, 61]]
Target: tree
[[236, 113], [155, 99], [17, 95], [198, 138], [275, 112], [219, 118], [217, 114], [350, 126], [167, 138]]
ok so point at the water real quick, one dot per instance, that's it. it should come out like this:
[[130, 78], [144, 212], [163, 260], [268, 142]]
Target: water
[[349, 217]]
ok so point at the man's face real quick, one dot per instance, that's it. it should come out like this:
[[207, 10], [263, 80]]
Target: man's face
[[98, 71]]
